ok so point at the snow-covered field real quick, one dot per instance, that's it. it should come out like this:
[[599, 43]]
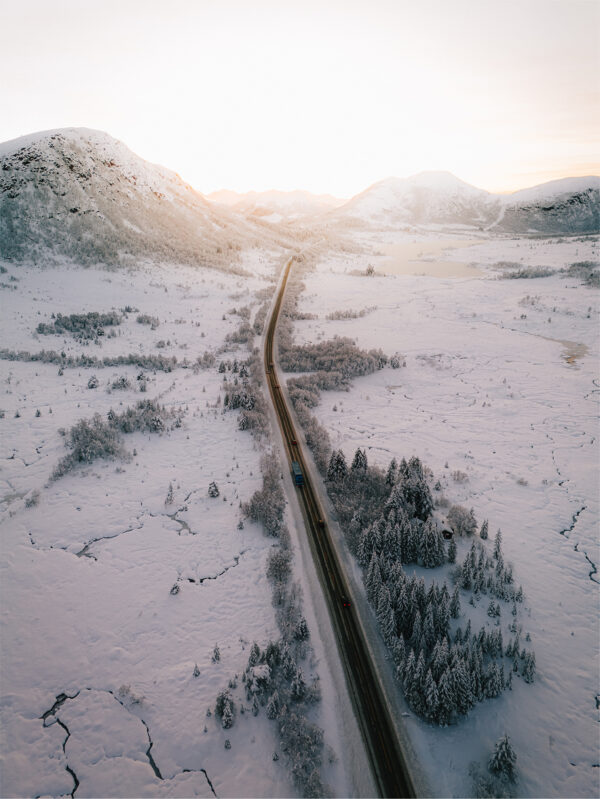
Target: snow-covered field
[[87, 569], [501, 383]]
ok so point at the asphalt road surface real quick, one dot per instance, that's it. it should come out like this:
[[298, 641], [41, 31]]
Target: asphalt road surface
[[388, 763]]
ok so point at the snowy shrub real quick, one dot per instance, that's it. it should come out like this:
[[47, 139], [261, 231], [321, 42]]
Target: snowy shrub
[[92, 439], [93, 382], [267, 505], [459, 477], [225, 709], [213, 490], [279, 565], [33, 499], [336, 355], [302, 742], [529, 272], [120, 383], [81, 326], [146, 416], [396, 361], [243, 335], [588, 271], [260, 318], [205, 361], [158, 363], [461, 520], [146, 319], [350, 314], [126, 697], [89, 440]]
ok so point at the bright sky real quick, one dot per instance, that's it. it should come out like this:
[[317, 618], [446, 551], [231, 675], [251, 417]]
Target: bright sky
[[324, 95]]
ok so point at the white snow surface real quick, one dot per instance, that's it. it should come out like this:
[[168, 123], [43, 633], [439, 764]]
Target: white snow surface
[[86, 573], [501, 382]]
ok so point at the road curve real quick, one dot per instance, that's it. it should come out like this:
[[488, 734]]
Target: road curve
[[388, 763]]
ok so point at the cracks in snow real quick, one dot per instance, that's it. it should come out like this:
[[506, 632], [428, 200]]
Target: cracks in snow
[[84, 552], [563, 483], [200, 580], [568, 530], [203, 770], [174, 516], [182, 522], [60, 701], [567, 534], [72, 773], [594, 570]]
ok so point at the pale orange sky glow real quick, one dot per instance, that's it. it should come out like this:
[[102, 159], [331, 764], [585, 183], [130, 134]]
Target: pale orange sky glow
[[328, 97]]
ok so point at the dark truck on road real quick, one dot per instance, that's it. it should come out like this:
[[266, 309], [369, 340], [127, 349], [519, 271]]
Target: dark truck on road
[[297, 473]]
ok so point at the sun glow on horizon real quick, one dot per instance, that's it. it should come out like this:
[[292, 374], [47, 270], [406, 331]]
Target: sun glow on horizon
[[328, 98]]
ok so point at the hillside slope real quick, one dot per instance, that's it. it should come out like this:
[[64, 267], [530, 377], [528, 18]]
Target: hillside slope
[[82, 195], [571, 205]]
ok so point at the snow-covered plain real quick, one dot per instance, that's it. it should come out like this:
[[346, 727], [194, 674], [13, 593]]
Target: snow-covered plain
[[89, 621], [501, 383]]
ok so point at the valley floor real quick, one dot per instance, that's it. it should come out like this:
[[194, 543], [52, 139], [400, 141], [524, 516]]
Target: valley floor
[[501, 389], [111, 591]]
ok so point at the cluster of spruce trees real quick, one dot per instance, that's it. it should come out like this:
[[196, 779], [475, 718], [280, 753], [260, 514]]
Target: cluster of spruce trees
[[80, 326], [444, 672], [244, 394]]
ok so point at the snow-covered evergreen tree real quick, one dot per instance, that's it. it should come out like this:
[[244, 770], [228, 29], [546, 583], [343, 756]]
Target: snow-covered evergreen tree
[[373, 579], [498, 544], [213, 490], [483, 532], [466, 576], [429, 633], [452, 551], [529, 667], [504, 759], [298, 686], [399, 652], [493, 681], [462, 687], [391, 476], [254, 655], [431, 697], [273, 705], [227, 717], [338, 468], [360, 463], [446, 698]]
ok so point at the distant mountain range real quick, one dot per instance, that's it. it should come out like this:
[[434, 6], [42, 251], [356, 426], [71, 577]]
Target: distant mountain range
[[276, 205], [79, 194], [567, 206]]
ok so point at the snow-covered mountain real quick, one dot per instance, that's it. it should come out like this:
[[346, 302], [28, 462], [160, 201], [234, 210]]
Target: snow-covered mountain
[[276, 205], [564, 206], [570, 205], [423, 199], [80, 194]]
